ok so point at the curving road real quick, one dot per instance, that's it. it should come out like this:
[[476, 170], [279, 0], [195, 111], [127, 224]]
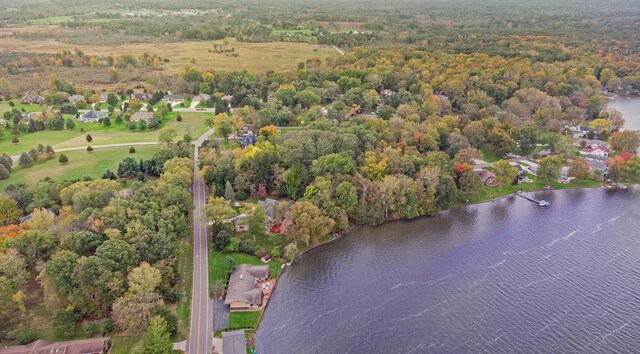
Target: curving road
[[201, 320]]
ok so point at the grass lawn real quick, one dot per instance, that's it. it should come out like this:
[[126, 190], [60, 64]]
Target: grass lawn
[[192, 123], [123, 344], [185, 269], [247, 319], [5, 107], [305, 31], [218, 271], [489, 155], [81, 163]]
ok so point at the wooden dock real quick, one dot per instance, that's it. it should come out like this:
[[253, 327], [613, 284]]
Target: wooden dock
[[542, 203]]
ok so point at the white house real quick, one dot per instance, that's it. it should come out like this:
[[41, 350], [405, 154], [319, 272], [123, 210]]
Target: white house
[[599, 151]]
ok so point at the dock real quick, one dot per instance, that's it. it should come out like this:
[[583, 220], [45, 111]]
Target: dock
[[542, 203]]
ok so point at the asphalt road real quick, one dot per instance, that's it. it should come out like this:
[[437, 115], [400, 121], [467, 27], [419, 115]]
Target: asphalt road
[[201, 322]]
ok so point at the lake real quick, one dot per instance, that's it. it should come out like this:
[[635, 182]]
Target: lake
[[505, 276], [629, 106]]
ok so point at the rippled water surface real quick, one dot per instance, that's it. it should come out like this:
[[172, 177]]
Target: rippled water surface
[[629, 106], [506, 276]]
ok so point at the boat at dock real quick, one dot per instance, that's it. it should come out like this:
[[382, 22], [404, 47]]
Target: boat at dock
[[541, 203]]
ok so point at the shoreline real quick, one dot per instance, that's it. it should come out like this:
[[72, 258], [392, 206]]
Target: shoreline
[[353, 227]]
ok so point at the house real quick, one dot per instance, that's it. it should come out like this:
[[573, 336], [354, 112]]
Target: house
[[243, 291], [75, 98], [600, 165], [577, 131], [104, 96], [147, 116], [249, 138], [140, 95], [387, 93], [270, 207], [487, 177], [234, 342], [600, 151], [27, 117], [83, 346], [173, 99], [203, 97], [92, 116], [227, 98], [32, 98], [240, 223]]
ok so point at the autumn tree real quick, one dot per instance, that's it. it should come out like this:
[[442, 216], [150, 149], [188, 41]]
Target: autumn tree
[[304, 223], [475, 132], [505, 173], [218, 210], [626, 141], [470, 184], [579, 168], [13, 276], [178, 169]]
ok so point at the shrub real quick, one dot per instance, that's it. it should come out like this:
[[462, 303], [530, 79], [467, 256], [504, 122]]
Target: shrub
[[132, 150], [276, 252], [141, 177], [63, 158], [106, 325], [25, 160], [25, 336], [15, 139], [91, 327], [89, 138], [179, 118], [89, 148]]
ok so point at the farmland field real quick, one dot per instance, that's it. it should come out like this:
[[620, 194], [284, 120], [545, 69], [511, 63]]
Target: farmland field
[[256, 57]]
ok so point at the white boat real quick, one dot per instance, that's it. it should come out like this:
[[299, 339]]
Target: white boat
[[544, 203], [622, 186]]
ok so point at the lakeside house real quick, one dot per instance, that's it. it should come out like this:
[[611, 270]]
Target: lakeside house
[[92, 116], [234, 342], [577, 132], [75, 98], [487, 177], [240, 223], [32, 98], [138, 116], [270, 207], [243, 291], [83, 346], [173, 99]]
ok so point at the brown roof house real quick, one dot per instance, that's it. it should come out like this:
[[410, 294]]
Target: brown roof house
[[243, 292], [32, 98], [84, 346], [148, 116], [487, 177], [140, 95]]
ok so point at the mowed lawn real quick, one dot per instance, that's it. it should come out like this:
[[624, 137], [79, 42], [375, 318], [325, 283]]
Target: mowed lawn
[[192, 123], [256, 57], [218, 271], [81, 163]]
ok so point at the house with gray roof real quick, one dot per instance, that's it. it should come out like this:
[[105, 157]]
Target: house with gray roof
[[75, 98], [92, 116], [32, 98], [243, 291], [270, 207], [140, 115], [234, 342], [203, 97], [171, 98]]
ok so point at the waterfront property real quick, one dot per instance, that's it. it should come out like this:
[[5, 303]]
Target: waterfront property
[[234, 342], [84, 346], [487, 177], [244, 291]]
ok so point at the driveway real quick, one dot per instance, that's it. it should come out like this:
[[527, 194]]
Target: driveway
[[221, 314]]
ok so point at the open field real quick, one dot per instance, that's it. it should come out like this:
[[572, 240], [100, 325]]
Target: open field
[[81, 163], [192, 123], [257, 57]]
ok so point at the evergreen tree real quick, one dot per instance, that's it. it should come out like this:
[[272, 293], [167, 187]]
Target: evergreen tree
[[89, 148], [157, 340], [4, 173], [229, 193], [6, 163], [89, 138], [63, 159], [25, 160]]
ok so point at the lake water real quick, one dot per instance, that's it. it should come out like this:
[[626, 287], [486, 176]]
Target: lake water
[[505, 276], [629, 106]]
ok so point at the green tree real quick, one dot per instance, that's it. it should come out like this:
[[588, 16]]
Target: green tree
[[89, 138], [13, 276], [223, 126], [65, 322], [218, 210], [505, 173], [112, 99], [257, 221], [549, 168], [528, 138], [470, 184], [144, 278], [4, 173], [333, 163], [475, 132], [346, 197], [63, 159], [167, 136], [9, 211], [305, 223], [229, 193]]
